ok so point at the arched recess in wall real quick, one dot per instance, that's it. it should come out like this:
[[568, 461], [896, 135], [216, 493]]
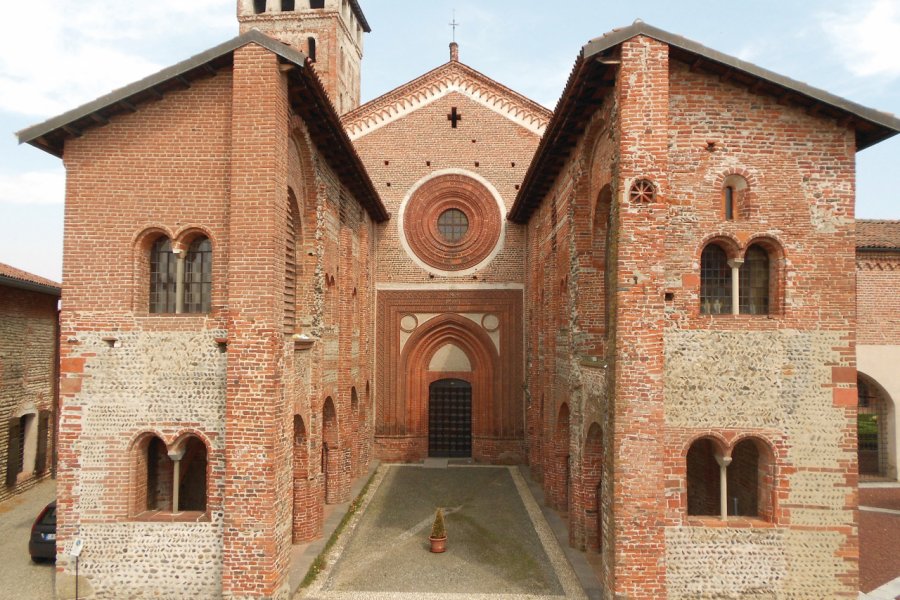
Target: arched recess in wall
[[301, 496], [354, 431], [592, 480], [488, 417], [331, 451], [302, 181], [560, 476]]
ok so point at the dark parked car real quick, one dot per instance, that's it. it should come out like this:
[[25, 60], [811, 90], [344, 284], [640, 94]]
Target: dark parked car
[[42, 545]]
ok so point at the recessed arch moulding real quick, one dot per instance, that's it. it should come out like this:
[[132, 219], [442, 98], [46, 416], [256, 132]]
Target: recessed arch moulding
[[450, 345]]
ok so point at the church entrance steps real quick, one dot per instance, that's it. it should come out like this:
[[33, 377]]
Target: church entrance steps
[[499, 542]]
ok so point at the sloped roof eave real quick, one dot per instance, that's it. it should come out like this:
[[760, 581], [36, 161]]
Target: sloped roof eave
[[885, 124], [362, 186]]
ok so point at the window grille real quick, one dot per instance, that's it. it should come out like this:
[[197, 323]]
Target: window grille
[[453, 225], [754, 282], [871, 430], [20, 459], [198, 277], [715, 281], [163, 274]]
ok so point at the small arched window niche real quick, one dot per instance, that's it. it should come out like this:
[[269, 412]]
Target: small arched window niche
[[259, 7], [739, 284], [734, 194], [643, 191], [730, 483], [171, 481], [180, 281]]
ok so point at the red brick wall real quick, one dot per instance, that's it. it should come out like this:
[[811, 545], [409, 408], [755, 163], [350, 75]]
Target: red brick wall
[[218, 158], [28, 360], [878, 297], [484, 145], [611, 376]]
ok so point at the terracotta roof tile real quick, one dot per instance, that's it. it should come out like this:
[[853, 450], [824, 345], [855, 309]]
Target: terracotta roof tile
[[11, 272], [878, 234]]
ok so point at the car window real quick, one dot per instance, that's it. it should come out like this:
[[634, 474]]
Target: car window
[[50, 517]]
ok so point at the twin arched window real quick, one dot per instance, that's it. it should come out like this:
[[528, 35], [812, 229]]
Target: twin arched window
[[173, 481], [718, 276], [737, 485], [181, 282]]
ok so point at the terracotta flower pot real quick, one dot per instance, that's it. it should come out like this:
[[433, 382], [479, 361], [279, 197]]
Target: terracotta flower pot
[[438, 545]]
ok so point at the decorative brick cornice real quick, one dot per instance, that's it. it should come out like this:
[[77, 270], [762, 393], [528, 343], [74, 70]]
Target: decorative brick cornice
[[448, 78]]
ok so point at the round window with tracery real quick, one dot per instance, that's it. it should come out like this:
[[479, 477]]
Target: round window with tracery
[[453, 225], [452, 222], [643, 191]]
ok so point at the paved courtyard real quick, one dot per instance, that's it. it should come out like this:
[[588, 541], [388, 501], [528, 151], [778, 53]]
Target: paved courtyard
[[879, 532], [19, 577], [498, 541]]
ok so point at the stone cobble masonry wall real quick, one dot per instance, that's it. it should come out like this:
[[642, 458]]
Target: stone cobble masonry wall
[[28, 358], [878, 297], [162, 170], [786, 378]]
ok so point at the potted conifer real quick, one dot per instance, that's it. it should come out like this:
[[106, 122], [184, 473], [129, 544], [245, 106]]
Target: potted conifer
[[438, 536]]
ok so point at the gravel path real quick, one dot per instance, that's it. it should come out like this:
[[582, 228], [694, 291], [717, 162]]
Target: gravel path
[[19, 577], [498, 541]]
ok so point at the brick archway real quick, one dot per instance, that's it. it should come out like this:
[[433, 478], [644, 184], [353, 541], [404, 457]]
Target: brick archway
[[415, 379]]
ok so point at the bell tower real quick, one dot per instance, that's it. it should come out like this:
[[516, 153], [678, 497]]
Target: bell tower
[[330, 32]]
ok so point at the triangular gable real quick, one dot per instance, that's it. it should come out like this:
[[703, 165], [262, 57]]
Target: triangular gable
[[446, 79]]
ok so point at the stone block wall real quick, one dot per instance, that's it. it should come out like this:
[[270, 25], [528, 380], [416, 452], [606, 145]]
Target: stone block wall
[[28, 363]]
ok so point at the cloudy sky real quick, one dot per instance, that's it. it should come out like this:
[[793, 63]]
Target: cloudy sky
[[58, 54]]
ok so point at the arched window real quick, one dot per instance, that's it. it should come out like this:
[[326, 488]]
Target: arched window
[[159, 476], [287, 5], [734, 196], [259, 6], [198, 277], [311, 48], [317, 3], [703, 479], [715, 281], [749, 480], [729, 202], [192, 476], [163, 277], [754, 282], [743, 480]]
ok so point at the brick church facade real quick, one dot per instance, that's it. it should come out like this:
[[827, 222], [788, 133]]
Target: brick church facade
[[646, 295]]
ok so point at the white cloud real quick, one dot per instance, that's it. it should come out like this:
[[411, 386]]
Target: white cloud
[[33, 187], [866, 37], [67, 53]]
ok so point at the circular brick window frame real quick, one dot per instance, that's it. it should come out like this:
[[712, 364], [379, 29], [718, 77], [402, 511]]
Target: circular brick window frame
[[431, 197]]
